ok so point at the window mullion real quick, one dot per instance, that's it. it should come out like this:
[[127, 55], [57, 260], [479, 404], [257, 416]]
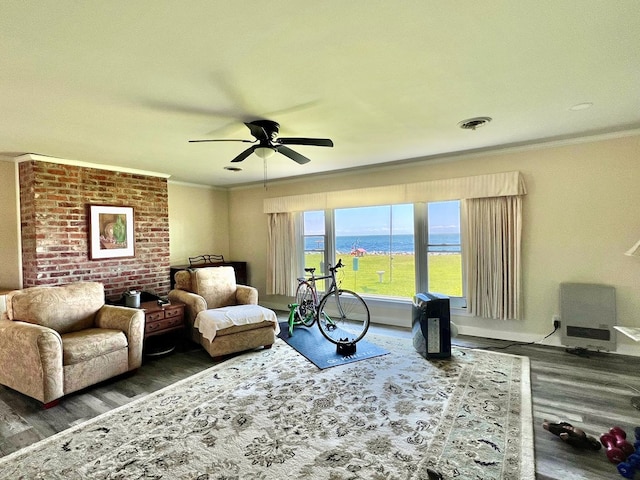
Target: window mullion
[[421, 236]]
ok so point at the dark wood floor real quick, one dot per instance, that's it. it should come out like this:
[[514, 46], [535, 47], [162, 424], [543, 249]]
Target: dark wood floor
[[24, 421], [590, 392]]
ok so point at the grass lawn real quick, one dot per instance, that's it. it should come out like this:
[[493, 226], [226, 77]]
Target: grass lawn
[[398, 279]]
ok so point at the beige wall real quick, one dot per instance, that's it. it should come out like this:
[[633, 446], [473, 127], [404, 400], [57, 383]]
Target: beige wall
[[198, 222], [579, 218], [10, 266]]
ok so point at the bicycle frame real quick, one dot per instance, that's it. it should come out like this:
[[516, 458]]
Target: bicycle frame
[[332, 290], [311, 282], [309, 308]]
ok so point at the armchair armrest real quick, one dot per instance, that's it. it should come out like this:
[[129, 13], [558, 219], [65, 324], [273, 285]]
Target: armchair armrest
[[130, 321], [246, 295], [194, 303], [31, 360]]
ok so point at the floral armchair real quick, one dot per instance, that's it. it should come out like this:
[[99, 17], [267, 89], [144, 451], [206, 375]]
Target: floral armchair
[[222, 316], [55, 340]]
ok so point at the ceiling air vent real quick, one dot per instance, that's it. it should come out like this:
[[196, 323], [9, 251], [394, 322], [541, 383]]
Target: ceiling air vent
[[473, 123]]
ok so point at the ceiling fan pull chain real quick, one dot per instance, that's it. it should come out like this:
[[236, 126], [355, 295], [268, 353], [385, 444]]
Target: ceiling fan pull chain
[[265, 172]]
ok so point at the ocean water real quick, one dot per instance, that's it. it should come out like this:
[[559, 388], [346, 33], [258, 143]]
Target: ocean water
[[447, 242]]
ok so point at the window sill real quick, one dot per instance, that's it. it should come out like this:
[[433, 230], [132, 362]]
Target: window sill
[[376, 300], [460, 312]]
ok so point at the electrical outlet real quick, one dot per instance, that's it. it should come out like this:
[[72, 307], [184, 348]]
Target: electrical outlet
[[555, 321]]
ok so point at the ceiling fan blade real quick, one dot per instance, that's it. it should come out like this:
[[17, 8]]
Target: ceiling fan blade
[[318, 142], [293, 155], [257, 131], [245, 154], [190, 109], [222, 140]]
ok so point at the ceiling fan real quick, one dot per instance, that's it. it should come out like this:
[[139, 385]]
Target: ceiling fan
[[266, 134]]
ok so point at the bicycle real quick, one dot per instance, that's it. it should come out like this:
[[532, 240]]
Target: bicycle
[[342, 315]]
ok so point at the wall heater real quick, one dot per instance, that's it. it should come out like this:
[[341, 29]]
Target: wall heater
[[587, 316]]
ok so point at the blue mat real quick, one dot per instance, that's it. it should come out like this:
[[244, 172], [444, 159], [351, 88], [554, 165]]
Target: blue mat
[[310, 343]]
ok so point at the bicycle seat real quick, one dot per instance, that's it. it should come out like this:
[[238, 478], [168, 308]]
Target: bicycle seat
[[310, 270]]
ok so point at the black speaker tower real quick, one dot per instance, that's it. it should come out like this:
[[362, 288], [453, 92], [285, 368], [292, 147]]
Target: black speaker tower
[[431, 325]]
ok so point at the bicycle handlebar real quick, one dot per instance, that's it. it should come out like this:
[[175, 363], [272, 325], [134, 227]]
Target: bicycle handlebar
[[324, 277], [337, 266]]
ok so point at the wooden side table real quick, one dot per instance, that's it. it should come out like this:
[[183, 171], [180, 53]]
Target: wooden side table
[[160, 320]]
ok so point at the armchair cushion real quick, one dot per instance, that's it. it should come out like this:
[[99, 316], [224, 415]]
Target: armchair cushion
[[208, 322], [86, 344], [64, 309], [216, 285]]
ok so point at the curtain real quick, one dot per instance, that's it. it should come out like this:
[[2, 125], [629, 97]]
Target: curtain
[[282, 263], [491, 244]]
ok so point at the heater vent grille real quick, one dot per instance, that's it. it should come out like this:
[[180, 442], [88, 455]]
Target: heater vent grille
[[588, 314]]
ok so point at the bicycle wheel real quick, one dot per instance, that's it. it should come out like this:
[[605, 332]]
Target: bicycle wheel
[[343, 318], [305, 298]]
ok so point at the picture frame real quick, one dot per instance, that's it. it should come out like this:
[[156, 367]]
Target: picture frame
[[111, 232]]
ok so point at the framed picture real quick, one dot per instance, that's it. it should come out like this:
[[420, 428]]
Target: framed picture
[[111, 233]]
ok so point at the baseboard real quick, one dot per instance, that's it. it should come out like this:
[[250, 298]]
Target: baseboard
[[398, 314], [632, 350]]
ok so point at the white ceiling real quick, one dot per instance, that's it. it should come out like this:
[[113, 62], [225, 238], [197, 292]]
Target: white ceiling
[[129, 82]]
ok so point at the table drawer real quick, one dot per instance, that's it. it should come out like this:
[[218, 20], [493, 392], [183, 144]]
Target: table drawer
[[172, 312], [152, 327], [154, 316]]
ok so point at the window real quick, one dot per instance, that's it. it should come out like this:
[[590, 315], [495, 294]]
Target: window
[[376, 245], [390, 250], [486, 260], [440, 255]]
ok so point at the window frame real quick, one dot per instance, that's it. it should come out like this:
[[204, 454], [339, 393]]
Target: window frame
[[421, 239]]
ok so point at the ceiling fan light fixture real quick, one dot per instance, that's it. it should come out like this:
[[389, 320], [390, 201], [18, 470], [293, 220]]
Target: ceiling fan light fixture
[[264, 152]]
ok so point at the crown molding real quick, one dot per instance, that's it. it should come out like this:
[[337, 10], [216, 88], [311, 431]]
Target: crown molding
[[29, 157], [196, 185]]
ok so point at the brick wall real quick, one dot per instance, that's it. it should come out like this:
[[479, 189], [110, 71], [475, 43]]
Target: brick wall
[[54, 209]]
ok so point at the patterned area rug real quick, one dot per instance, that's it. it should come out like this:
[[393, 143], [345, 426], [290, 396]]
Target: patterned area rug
[[272, 415]]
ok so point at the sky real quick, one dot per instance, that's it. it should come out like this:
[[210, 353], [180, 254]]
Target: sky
[[444, 217]]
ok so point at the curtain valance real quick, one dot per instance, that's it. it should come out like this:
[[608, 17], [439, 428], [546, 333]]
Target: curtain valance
[[477, 186]]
